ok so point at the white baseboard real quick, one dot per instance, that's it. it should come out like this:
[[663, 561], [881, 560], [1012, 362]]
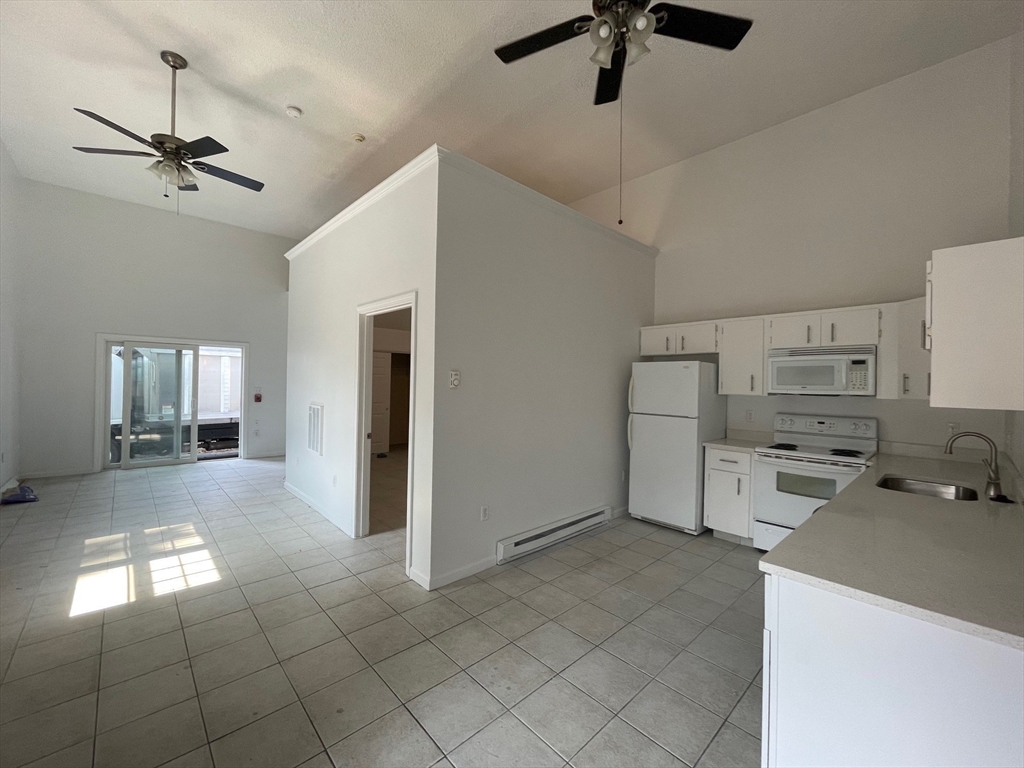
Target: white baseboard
[[311, 502], [57, 473], [459, 573], [419, 578], [271, 455], [620, 512]]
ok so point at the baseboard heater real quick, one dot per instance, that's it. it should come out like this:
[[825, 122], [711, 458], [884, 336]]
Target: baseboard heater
[[546, 535]]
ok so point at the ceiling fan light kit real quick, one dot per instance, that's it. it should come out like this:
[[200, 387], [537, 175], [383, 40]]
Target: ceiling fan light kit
[[175, 156]]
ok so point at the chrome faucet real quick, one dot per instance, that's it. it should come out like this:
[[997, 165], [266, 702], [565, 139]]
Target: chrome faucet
[[993, 487]]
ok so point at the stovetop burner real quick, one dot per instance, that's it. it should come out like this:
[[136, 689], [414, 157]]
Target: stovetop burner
[[783, 446], [846, 452]]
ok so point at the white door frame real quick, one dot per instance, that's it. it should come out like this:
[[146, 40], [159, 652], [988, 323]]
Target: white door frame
[[364, 404], [101, 416]]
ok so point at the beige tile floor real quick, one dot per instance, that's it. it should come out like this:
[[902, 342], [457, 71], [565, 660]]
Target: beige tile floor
[[388, 500], [202, 616]]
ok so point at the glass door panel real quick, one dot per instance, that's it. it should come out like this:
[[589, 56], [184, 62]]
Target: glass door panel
[[158, 418]]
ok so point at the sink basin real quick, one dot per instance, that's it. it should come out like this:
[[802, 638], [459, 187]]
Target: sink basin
[[928, 488]]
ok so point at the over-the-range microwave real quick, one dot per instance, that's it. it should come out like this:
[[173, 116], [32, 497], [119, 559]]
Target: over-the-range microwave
[[822, 371]]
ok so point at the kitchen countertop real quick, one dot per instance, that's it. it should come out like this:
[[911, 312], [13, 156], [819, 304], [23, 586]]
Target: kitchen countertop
[[959, 564], [731, 444]]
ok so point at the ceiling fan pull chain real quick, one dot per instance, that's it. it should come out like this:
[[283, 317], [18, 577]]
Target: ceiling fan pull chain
[[622, 93]]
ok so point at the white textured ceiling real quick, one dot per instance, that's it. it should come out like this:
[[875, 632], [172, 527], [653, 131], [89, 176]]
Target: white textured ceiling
[[409, 74]]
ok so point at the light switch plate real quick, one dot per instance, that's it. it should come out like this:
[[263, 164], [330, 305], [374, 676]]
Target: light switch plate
[[454, 379]]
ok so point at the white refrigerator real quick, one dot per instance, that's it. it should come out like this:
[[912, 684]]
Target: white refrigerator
[[674, 407]]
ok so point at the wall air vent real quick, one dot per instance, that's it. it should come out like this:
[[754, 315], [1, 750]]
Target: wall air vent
[[546, 535], [315, 437]]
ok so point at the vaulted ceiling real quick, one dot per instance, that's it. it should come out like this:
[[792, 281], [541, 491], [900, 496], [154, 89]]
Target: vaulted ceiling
[[409, 74]]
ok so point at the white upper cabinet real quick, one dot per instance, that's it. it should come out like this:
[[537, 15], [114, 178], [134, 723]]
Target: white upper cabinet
[[658, 340], [696, 338], [976, 325], [849, 327], [741, 357], [914, 359], [790, 331]]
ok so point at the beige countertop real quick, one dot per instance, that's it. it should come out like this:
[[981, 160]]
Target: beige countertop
[[731, 444], [959, 564]]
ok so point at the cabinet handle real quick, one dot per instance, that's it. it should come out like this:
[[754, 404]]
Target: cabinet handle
[[924, 335], [906, 386], [738, 479], [729, 461], [833, 331], [666, 343], [751, 382], [929, 384], [808, 334], [682, 342]]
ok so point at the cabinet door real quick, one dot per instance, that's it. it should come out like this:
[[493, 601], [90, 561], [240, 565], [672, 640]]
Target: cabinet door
[[977, 326], [914, 359], [849, 327], [658, 341], [727, 502], [741, 357], [698, 338], [788, 332]]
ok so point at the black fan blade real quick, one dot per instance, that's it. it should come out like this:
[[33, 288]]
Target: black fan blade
[[203, 147], [132, 152], [115, 126], [546, 38], [610, 80], [698, 26], [234, 178], [189, 188]]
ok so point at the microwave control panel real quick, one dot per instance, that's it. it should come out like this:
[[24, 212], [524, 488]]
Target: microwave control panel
[[859, 372], [837, 426]]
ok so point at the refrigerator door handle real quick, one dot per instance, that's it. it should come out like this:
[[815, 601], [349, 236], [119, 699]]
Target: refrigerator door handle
[[629, 432], [629, 397]]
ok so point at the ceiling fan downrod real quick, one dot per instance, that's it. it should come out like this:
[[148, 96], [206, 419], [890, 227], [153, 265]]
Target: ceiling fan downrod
[[175, 61]]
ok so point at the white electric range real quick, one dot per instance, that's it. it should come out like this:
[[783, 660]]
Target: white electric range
[[811, 459]]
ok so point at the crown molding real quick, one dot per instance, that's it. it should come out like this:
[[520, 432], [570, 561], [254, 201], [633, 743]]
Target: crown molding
[[423, 160], [474, 168], [434, 155]]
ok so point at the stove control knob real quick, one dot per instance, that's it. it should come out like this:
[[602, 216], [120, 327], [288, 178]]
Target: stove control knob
[[791, 422], [855, 426], [866, 427]]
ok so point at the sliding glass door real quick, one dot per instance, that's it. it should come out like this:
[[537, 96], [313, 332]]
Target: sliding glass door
[[159, 417]]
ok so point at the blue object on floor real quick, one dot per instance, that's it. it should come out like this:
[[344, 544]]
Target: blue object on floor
[[22, 495]]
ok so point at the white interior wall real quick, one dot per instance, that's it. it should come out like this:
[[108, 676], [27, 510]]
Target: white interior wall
[[90, 264], [837, 207], [385, 249], [10, 192], [540, 312]]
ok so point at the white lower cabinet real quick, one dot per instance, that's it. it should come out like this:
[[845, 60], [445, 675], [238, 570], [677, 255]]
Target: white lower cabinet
[[849, 683], [727, 492]]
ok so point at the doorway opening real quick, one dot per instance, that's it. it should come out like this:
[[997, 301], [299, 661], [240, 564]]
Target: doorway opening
[[387, 404], [389, 426], [171, 403]]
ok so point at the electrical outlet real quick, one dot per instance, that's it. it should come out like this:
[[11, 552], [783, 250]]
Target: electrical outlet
[[256, 433], [952, 427], [749, 416], [484, 515]]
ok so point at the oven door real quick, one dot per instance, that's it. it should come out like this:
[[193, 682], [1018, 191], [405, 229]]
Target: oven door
[[787, 491], [807, 375]]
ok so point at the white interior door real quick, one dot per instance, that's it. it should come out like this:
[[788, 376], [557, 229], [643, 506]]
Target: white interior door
[[160, 417], [380, 413], [665, 471]]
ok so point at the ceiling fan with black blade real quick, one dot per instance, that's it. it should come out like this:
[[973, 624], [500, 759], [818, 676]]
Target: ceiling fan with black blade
[[176, 158], [620, 29]]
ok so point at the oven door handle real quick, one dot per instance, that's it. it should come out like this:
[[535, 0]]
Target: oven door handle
[[813, 466]]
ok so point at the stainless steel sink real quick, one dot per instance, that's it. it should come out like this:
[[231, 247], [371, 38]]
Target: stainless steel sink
[[928, 488]]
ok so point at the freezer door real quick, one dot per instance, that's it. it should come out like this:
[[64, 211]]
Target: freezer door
[[665, 470], [666, 388]]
